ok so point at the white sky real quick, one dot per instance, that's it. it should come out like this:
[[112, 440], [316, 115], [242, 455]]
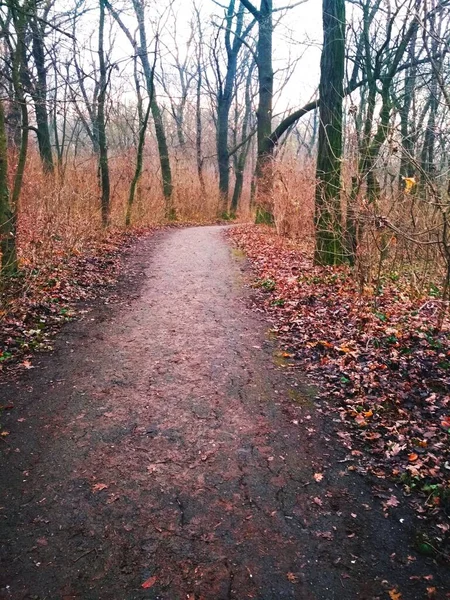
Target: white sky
[[297, 37]]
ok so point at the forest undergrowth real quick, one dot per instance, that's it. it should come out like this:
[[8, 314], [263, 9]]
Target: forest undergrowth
[[381, 360], [66, 255]]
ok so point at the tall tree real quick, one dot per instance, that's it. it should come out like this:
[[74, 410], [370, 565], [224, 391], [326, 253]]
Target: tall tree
[[38, 85], [141, 50], [235, 37], [103, 163], [7, 216], [329, 240], [264, 18]]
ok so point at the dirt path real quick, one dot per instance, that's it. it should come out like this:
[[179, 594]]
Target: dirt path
[[161, 442]]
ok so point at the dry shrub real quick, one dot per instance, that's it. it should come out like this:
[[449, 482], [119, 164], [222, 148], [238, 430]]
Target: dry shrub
[[294, 198], [399, 235], [60, 215]]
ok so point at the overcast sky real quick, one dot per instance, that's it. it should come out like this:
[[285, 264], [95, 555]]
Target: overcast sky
[[297, 37]]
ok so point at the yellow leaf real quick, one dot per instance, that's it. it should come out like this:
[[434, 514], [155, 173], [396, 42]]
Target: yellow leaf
[[4, 433], [410, 183], [395, 595]]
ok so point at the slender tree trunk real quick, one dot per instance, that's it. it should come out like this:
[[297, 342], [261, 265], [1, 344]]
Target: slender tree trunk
[[103, 163], [7, 216], [241, 158], [139, 162], [225, 100], [330, 247], [407, 168], [156, 112], [199, 132]]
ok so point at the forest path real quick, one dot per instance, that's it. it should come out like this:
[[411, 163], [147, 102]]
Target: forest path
[[162, 442]]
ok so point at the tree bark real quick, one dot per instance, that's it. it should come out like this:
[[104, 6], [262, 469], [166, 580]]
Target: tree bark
[[103, 163], [161, 139], [330, 247], [7, 216], [39, 93]]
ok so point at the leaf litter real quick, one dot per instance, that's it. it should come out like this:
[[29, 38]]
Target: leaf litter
[[382, 368]]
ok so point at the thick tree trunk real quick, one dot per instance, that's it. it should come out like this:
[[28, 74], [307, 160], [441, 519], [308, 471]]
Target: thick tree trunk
[[264, 161], [223, 159], [330, 247], [264, 164], [39, 95]]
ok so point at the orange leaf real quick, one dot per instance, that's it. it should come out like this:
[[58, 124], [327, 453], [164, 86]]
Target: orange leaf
[[98, 487], [412, 457], [395, 595], [291, 577], [150, 582]]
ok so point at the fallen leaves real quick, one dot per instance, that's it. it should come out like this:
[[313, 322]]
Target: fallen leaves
[[382, 367], [35, 305], [395, 594], [318, 477]]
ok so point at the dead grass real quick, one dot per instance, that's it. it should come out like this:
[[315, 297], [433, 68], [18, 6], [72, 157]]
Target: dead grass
[[60, 215]]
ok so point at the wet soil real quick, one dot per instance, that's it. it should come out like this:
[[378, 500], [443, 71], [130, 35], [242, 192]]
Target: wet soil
[[166, 442]]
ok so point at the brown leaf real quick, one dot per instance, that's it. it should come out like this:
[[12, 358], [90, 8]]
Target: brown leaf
[[395, 594], [98, 487], [391, 502]]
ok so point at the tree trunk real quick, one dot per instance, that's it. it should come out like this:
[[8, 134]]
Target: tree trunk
[[330, 247], [407, 168], [225, 100], [161, 139], [39, 95], [264, 163], [7, 216], [103, 164], [199, 132], [139, 162]]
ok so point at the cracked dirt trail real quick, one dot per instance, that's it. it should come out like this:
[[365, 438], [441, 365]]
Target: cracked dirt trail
[[160, 440]]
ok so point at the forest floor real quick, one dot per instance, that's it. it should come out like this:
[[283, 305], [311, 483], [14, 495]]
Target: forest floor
[[164, 450]]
